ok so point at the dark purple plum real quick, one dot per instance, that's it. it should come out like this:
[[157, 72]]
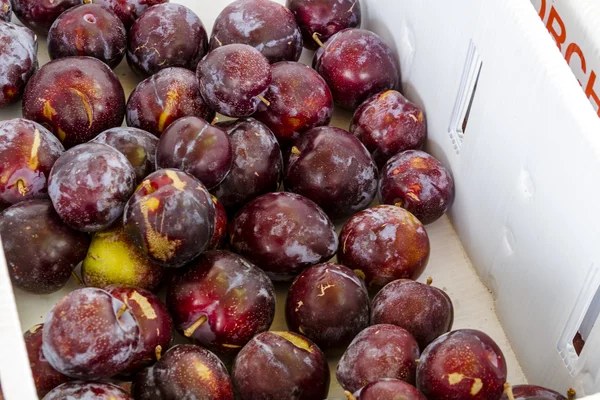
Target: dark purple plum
[[233, 79], [89, 334], [5, 10], [283, 233], [332, 168], [88, 390], [532, 392], [41, 251], [89, 186], [388, 389], [18, 47], [38, 15], [257, 163], [357, 64], [27, 153], [76, 98], [88, 30], [221, 221], [195, 146], [166, 96], [166, 35], [419, 183], [128, 11], [328, 304], [299, 99], [280, 365], [170, 217]]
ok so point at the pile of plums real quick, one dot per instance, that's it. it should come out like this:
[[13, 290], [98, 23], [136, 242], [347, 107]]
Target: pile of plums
[[182, 205]]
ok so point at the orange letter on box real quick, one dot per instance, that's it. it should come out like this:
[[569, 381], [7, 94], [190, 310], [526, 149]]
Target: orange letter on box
[[543, 9], [590, 93], [574, 48], [560, 38]]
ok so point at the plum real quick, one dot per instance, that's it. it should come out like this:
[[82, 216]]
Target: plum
[[166, 35], [170, 217], [27, 153], [41, 251], [222, 301], [324, 18], [128, 11], [5, 12], [90, 334], [38, 15], [221, 221], [328, 304], [195, 146], [462, 364], [357, 64], [280, 365], [76, 98], [423, 310], [89, 186], [383, 244], [299, 99], [419, 183], [332, 168], [234, 79], [385, 389], [88, 390], [283, 233], [379, 351], [18, 61], [166, 96], [531, 392], [257, 163], [388, 124]]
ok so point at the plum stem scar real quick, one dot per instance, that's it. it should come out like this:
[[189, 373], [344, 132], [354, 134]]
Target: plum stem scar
[[190, 331]]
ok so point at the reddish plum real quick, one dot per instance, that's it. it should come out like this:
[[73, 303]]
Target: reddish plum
[[128, 10], [38, 15], [5, 10], [88, 390], [18, 61], [392, 389], [532, 392], [221, 221]]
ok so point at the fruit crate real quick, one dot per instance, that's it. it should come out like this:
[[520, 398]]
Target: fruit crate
[[518, 253]]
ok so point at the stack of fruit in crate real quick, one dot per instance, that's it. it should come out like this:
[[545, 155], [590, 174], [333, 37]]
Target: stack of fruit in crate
[[179, 201]]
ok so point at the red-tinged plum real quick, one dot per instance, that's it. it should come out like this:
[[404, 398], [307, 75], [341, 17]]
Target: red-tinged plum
[[233, 79], [195, 146], [166, 35], [388, 124], [221, 301], [283, 233], [463, 364], [383, 244], [299, 99], [89, 334], [27, 153], [332, 168], [324, 18], [88, 391], [280, 365], [18, 61], [419, 183], [357, 64], [38, 15], [170, 217], [388, 389], [328, 304], [221, 222], [533, 392], [41, 251], [256, 167], [5, 12], [423, 310], [89, 186], [76, 98], [166, 96], [128, 11], [380, 351]]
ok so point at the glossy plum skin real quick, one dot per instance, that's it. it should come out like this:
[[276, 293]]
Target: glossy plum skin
[[170, 217], [27, 153], [89, 186], [531, 392], [328, 304], [389, 389], [280, 365], [384, 243], [357, 64], [299, 100], [283, 233], [221, 222], [195, 146], [231, 79], [129, 11], [257, 163], [462, 364], [18, 61], [41, 251], [5, 10], [89, 334], [379, 351], [88, 390], [76, 98], [332, 168], [235, 299], [419, 183], [168, 95], [38, 15], [388, 124], [324, 17], [166, 35]]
